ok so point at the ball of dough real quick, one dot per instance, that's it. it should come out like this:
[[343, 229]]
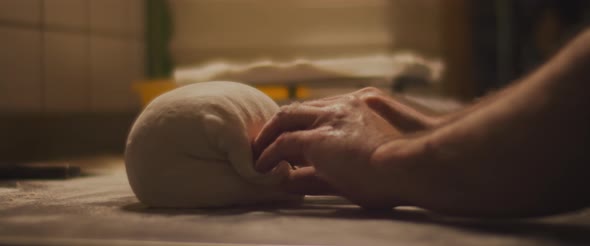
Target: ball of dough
[[191, 147]]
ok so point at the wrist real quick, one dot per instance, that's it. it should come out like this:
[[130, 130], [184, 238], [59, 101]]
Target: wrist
[[405, 162]]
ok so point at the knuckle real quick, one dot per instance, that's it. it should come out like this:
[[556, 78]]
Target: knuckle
[[283, 112], [369, 93], [311, 102], [283, 139], [371, 90], [280, 114], [356, 101], [288, 109], [334, 113], [339, 114], [374, 98]]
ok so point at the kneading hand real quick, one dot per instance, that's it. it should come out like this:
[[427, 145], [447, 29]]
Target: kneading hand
[[332, 141]]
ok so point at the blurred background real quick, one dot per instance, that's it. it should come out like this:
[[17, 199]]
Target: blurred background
[[75, 73]]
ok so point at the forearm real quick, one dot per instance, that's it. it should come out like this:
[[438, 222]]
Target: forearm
[[474, 106], [519, 153]]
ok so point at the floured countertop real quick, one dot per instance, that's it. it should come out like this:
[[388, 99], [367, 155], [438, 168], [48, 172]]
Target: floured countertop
[[100, 209]]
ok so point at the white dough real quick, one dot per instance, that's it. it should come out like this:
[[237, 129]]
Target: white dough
[[191, 148]]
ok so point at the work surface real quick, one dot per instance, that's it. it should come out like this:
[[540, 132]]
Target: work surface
[[100, 209]]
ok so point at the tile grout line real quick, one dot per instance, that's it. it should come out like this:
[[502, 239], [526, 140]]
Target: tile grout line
[[42, 55], [119, 35], [89, 62]]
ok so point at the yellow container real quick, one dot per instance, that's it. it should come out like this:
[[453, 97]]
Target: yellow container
[[148, 90]]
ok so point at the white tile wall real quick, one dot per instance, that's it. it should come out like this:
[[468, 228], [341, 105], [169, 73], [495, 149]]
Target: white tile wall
[[123, 17], [20, 70], [70, 55], [73, 14], [115, 65], [21, 11], [67, 77]]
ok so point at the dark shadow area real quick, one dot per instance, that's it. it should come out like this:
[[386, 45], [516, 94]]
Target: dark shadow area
[[223, 211], [562, 231], [538, 228], [39, 137]]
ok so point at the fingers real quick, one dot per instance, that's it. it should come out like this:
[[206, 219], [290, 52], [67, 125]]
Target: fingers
[[364, 92], [326, 101], [303, 181], [397, 114], [290, 118], [289, 146]]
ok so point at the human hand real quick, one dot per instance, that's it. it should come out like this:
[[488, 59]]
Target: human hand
[[403, 117], [332, 140]]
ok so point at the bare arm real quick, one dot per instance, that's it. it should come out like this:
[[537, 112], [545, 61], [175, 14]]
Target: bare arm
[[522, 152]]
